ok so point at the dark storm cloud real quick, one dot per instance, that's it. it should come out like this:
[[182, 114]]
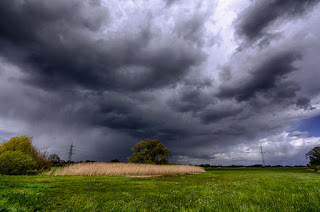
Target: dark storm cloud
[[257, 17], [216, 114], [262, 78], [58, 44], [127, 114], [119, 113], [234, 130], [23, 21], [304, 103], [282, 91], [86, 79], [190, 100]]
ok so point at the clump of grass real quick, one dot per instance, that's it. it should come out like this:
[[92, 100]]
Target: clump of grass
[[126, 169]]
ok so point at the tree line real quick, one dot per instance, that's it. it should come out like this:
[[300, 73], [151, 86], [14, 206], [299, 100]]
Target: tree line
[[19, 156]]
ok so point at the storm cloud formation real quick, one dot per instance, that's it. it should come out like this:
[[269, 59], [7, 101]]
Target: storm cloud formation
[[106, 74], [258, 17], [264, 77], [60, 42]]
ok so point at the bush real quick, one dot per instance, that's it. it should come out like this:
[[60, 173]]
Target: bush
[[24, 145], [15, 163], [314, 167], [41, 160]]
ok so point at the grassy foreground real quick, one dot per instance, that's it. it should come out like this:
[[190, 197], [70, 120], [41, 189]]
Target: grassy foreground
[[242, 189]]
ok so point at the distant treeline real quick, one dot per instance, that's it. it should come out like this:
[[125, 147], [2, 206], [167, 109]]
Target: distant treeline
[[63, 163]]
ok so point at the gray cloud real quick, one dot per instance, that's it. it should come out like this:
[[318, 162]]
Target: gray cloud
[[192, 28], [254, 20], [58, 44], [263, 77], [298, 134], [190, 100], [219, 112], [304, 103]]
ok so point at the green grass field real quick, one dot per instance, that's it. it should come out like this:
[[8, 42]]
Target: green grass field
[[226, 189]]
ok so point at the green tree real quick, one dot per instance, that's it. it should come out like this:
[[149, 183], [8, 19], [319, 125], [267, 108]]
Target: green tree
[[16, 162], [314, 156], [150, 151], [24, 145]]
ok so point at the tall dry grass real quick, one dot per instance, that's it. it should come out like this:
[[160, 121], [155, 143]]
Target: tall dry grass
[[126, 169]]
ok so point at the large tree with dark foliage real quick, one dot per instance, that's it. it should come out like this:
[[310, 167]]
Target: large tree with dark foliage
[[314, 156], [150, 151]]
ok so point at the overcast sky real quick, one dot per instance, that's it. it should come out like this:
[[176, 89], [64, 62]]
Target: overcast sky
[[213, 80]]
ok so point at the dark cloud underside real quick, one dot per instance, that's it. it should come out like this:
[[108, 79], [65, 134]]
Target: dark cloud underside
[[262, 78], [261, 14], [58, 44]]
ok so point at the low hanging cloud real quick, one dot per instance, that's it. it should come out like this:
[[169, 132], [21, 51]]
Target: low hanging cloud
[[106, 74]]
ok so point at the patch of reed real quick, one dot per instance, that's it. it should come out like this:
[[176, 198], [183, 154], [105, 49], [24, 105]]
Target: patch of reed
[[126, 169]]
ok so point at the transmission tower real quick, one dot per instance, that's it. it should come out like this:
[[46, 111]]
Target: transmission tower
[[70, 152], [262, 156]]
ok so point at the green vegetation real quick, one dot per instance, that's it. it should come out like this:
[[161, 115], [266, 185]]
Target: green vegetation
[[19, 156], [150, 151], [219, 189], [16, 162], [314, 156]]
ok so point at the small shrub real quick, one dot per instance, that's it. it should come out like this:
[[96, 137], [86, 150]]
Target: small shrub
[[16, 163], [315, 167], [40, 159]]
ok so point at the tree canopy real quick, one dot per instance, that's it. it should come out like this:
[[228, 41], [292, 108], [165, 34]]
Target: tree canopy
[[16, 162], [22, 143], [150, 151], [314, 156], [22, 147]]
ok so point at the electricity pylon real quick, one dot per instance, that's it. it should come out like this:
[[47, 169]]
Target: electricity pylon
[[70, 152], [262, 156]]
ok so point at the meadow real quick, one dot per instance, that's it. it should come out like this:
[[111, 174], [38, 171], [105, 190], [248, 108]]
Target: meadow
[[218, 189]]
